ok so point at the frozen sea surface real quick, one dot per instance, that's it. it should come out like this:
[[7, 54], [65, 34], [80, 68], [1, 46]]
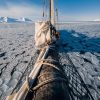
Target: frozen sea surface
[[81, 41], [16, 51]]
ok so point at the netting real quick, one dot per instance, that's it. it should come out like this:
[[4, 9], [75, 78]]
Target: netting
[[77, 87]]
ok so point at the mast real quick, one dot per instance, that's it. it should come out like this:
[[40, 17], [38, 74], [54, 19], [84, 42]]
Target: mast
[[51, 15]]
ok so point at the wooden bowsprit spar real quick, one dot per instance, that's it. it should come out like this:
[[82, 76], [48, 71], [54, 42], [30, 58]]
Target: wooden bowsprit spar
[[21, 94]]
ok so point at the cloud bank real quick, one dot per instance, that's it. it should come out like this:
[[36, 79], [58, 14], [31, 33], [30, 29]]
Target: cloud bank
[[33, 10], [23, 10]]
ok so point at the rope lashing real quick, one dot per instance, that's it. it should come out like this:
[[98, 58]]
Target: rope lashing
[[45, 63], [48, 60], [28, 83], [49, 73], [49, 81], [42, 49], [43, 8], [52, 65]]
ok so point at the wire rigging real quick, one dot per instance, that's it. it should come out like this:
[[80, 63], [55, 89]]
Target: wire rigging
[[45, 9], [56, 10]]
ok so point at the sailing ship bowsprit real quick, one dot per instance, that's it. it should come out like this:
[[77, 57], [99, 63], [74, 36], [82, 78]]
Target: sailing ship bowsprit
[[48, 80]]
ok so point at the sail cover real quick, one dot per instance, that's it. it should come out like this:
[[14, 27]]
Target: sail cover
[[42, 34]]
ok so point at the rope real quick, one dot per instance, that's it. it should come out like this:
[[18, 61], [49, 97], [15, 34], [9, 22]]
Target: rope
[[28, 85], [44, 63], [57, 15], [49, 81], [52, 65], [48, 73], [43, 48], [45, 4], [48, 60], [45, 82], [46, 8], [43, 7]]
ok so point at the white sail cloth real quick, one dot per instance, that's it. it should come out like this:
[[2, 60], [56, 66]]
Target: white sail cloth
[[42, 34]]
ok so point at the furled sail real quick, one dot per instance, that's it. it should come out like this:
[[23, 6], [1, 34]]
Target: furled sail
[[43, 28]]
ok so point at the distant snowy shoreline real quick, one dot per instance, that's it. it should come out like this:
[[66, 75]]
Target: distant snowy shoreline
[[79, 22], [14, 20], [28, 20]]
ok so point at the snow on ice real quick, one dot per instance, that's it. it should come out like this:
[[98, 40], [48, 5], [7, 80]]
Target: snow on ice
[[16, 49], [81, 41]]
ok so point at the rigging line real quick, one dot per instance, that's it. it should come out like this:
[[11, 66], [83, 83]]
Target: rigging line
[[44, 4], [56, 14], [46, 8], [56, 10], [43, 7]]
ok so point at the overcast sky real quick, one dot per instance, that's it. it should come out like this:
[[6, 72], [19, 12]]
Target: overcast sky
[[69, 10]]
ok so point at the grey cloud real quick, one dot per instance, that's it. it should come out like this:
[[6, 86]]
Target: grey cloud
[[21, 10]]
